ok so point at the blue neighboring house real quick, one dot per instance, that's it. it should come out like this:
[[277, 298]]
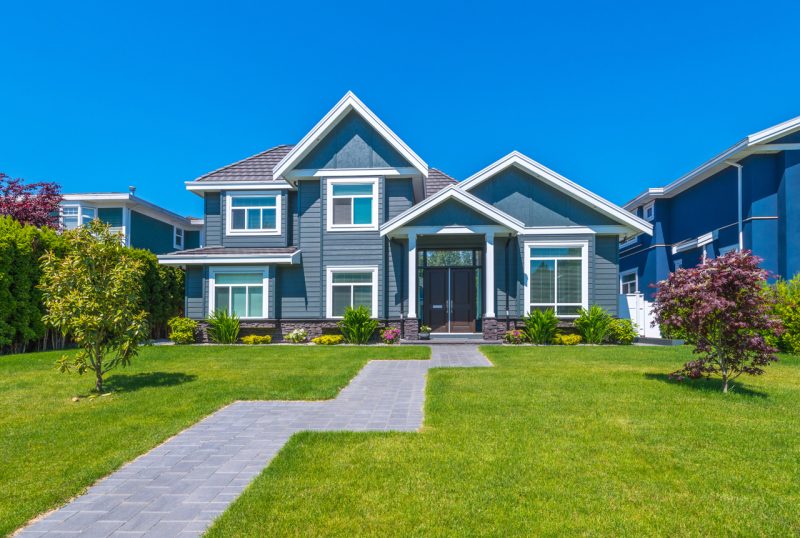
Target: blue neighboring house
[[142, 224], [351, 216], [747, 197]]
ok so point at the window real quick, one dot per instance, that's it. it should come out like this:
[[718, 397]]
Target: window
[[649, 211], [352, 204], [557, 277], [353, 287], [242, 292], [629, 282], [73, 216], [678, 263], [629, 242], [178, 238], [729, 248], [253, 214]]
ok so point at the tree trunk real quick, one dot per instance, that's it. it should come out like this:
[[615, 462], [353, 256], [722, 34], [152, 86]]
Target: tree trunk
[[724, 382], [98, 385]]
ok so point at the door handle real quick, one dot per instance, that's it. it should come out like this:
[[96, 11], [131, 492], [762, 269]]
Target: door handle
[[437, 306]]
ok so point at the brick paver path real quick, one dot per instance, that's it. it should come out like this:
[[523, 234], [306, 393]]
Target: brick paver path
[[181, 486]]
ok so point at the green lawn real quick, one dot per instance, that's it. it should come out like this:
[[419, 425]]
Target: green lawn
[[553, 441], [51, 448]]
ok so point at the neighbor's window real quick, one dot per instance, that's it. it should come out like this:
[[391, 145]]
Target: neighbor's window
[[555, 279], [240, 293], [629, 283], [351, 288], [649, 211], [253, 214], [178, 237], [352, 204], [70, 216]]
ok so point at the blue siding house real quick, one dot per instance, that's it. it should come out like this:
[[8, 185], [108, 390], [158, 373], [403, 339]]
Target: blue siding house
[[351, 216], [747, 197], [143, 224]]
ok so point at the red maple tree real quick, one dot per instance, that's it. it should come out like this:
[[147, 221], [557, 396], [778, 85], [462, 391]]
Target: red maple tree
[[32, 203]]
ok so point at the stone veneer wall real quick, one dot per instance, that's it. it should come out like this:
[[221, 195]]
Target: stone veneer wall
[[279, 328]]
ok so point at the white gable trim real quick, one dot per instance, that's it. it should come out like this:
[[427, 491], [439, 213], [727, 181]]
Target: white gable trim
[[343, 107], [561, 183], [448, 193]]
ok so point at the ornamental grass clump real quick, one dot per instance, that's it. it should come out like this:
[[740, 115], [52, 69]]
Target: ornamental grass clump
[[722, 307], [358, 325], [223, 328], [594, 324], [541, 326]]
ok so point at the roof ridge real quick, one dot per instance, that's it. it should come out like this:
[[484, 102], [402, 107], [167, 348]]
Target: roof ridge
[[259, 154]]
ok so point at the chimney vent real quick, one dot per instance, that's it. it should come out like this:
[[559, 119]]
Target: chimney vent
[[132, 190]]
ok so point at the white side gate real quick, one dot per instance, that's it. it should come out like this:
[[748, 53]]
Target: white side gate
[[634, 307]]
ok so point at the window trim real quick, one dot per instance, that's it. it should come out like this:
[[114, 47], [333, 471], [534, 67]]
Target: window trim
[[229, 230], [175, 244], [651, 218], [80, 207], [631, 241], [331, 227], [330, 270], [583, 245], [634, 272], [212, 279]]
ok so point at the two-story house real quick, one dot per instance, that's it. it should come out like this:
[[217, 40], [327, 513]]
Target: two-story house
[[142, 224], [747, 197], [351, 216]]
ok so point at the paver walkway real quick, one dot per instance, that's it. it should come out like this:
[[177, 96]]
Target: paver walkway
[[181, 486]]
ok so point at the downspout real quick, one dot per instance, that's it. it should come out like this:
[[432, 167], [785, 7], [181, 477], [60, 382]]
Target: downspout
[[739, 168]]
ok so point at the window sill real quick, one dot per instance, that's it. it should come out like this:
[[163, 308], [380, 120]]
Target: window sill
[[352, 228], [253, 232]]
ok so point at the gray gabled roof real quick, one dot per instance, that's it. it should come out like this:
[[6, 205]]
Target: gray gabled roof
[[436, 181], [256, 168]]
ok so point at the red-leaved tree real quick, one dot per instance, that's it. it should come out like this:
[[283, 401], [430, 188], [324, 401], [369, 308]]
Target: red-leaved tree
[[33, 203], [722, 307]]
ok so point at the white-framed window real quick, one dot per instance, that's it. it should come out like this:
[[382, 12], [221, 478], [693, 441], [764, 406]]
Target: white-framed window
[[75, 215], [178, 241], [353, 287], [729, 248], [557, 277], [678, 263], [239, 290], [252, 213], [629, 242], [352, 204], [649, 211], [629, 282]]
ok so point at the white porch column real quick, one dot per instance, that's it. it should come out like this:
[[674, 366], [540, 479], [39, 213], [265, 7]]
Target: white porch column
[[412, 276], [489, 264]]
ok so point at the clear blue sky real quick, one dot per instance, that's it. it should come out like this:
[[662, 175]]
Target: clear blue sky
[[617, 96]]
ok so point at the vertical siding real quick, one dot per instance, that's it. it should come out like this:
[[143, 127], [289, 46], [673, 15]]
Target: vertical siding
[[255, 240], [213, 219]]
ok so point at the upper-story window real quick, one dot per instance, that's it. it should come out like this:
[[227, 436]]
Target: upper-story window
[[253, 214], [352, 204], [178, 243], [649, 211], [629, 282], [73, 216]]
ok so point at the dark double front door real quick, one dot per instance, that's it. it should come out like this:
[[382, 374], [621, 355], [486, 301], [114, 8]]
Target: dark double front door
[[449, 299]]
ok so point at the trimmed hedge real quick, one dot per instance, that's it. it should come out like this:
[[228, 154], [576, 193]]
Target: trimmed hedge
[[162, 292]]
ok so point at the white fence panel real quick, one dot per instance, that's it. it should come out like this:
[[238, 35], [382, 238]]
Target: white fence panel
[[634, 307]]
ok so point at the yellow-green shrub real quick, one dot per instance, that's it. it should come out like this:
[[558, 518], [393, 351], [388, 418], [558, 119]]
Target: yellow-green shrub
[[254, 339], [328, 339], [567, 339]]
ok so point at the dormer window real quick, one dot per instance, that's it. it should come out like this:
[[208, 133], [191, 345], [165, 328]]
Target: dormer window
[[253, 214], [649, 212], [352, 204]]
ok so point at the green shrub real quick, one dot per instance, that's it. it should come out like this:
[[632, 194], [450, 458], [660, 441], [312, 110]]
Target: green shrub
[[567, 339], [358, 326], [514, 336], [182, 330], [594, 324], [328, 339], [541, 326], [786, 296], [254, 339], [623, 331], [223, 328], [162, 291], [297, 336]]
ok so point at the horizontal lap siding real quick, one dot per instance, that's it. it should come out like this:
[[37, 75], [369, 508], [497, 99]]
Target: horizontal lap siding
[[300, 287], [213, 219], [606, 273], [195, 298], [255, 240], [506, 301]]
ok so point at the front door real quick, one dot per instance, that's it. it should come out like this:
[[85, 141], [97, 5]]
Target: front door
[[449, 298]]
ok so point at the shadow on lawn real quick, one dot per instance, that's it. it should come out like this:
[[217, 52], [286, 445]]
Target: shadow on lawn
[[708, 385], [131, 383]]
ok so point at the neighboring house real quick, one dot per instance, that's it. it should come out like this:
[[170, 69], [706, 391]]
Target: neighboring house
[[143, 224], [747, 197], [352, 216]]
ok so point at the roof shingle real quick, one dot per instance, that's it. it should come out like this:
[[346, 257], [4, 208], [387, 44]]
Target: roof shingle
[[436, 181], [256, 168]]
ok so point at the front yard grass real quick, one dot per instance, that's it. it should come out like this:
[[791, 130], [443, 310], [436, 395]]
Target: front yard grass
[[552, 441], [51, 448]]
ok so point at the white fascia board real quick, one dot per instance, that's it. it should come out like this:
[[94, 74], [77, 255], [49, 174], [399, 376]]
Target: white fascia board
[[526, 164], [129, 201], [97, 197], [302, 173], [605, 229], [330, 120], [452, 192], [216, 186], [210, 259]]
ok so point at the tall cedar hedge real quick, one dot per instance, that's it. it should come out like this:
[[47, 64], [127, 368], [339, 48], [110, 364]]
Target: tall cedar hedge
[[21, 309]]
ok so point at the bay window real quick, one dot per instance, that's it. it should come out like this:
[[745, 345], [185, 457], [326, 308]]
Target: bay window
[[556, 277], [242, 292], [352, 204], [352, 287]]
